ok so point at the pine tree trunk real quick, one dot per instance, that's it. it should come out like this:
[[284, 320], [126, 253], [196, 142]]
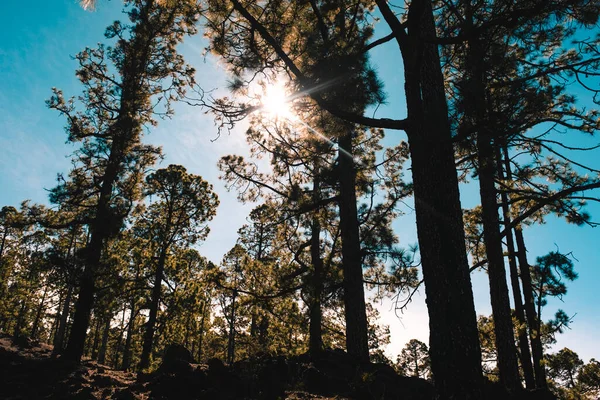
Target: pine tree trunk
[[454, 342], [537, 349], [477, 114], [354, 293], [2, 244], [503, 325], [533, 321], [154, 304], [263, 333], [62, 324], [104, 343], [188, 329], [231, 338], [118, 348], [20, 317], [524, 351], [81, 319], [3, 272], [126, 132], [38, 314], [93, 349], [130, 328], [201, 333], [315, 342], [54, 329]]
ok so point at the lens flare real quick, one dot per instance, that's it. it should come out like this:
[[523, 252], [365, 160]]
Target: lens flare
[[275, 102]]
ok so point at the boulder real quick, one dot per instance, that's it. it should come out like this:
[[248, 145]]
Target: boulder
[[176, 360]]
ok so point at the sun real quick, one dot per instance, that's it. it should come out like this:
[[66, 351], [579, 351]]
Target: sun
[[275, 102]]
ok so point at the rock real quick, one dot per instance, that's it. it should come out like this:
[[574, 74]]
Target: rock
[[176, 360], [177, 352], [216, 366]]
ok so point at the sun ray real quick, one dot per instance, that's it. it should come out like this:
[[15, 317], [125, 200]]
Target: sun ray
[[275, 104]]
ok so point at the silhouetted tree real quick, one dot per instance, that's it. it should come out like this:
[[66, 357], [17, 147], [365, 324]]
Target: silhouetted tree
[[184, 204], [117, 106], [413, 360]]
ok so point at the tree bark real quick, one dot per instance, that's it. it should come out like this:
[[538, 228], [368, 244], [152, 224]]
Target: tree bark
[[20, 317], [130, 328], [126, 132], [315, 342], [454, 342], [476, 113], [54, 329], [524, 351], [154, 304], [354, 294], [537, 349], [96, 341], [38, 314], [104, 343], [62, 324], [81, 319], [503, 325], [231, 338], [118, 348], [201, 333]]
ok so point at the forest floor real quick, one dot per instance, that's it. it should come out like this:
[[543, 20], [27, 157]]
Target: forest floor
[[28, 371]]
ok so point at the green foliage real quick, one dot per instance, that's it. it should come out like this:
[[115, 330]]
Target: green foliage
[[182, 205], [414, 360], [571, 378]]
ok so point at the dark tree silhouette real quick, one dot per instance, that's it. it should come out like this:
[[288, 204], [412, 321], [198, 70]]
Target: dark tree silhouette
[[116, 108], [182, 205]]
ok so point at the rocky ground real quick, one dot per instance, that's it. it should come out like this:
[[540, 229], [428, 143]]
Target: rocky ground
[[27, 371]]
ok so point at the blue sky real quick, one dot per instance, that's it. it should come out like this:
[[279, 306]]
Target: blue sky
[[37, 40]]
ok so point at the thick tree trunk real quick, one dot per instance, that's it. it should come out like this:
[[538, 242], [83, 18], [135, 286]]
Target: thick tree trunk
[[81, 319], [524, 351], [354, 294], [454, 342], [154, 304]]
